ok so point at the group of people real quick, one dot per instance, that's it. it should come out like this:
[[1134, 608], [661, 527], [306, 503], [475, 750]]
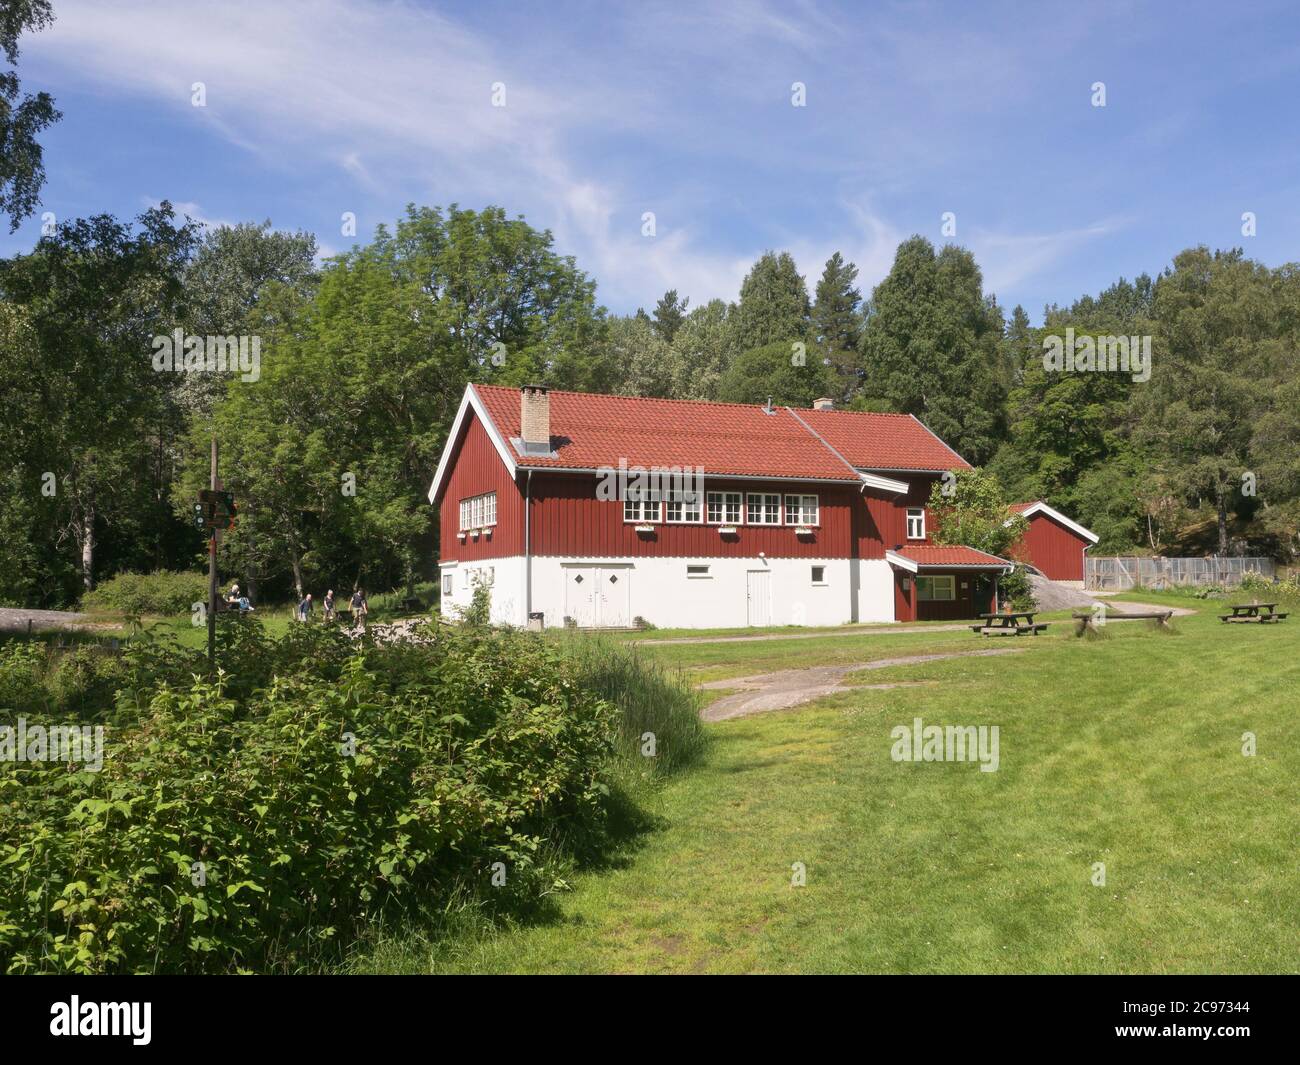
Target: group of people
[[360, 607], [235, 598]]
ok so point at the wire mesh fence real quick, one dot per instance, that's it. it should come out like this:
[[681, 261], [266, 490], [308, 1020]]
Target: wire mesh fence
[[1119, 573]]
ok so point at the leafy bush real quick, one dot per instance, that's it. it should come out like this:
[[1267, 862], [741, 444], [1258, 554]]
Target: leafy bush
[[22, 678], [239, 826], [1016, 587], [160, 592]]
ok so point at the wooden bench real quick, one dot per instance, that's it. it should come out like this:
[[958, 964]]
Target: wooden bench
[[1016, 623], [1087, 619]]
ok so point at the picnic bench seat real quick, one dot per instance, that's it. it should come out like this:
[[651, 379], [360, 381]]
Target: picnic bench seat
[[1261, 613], [1086, 619], [1013, 624]]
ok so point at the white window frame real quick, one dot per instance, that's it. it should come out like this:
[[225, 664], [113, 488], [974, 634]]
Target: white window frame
[[916, 519], [648, 511], [689, 507], [725, 501], [818, 583], [933, 579], [448, 584], [797, 510], [707, 575], [756, 508], [478, 512]]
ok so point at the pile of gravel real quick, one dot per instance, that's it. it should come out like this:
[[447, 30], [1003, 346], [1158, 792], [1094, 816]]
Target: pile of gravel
[[1052, 596]]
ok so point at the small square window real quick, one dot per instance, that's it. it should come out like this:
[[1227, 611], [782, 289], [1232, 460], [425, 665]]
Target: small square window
[[819, 574]]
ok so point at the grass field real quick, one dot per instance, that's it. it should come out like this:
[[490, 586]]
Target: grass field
[[1125, 750]]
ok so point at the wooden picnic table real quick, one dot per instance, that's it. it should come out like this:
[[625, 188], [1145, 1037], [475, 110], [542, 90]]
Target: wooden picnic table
[[1009, 623], [1258, 612]]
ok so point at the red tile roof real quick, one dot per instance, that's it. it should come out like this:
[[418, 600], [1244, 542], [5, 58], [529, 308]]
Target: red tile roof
[[883, 441], [1020, 508], [739, 439], [938, 555]]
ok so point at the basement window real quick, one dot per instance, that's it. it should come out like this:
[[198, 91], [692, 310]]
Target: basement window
[[447, 584], [697, 572], [819, 574]]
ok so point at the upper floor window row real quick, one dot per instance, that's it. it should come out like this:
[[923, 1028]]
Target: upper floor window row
[[478, 512], [724, 508]]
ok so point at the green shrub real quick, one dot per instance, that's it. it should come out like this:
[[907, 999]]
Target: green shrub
[[160, 592], [22, 679], [248, 827], [84, 681], [1015, 586]]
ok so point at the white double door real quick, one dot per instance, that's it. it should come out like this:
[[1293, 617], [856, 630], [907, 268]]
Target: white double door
[[598, 597]]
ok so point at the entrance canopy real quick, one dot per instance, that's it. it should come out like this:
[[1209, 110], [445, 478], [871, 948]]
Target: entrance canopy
[[920, 558]]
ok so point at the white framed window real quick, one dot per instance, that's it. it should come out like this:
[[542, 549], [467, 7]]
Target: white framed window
[[801, 510], [696, 572], [478, 512], [724, 508], [644, 509], [819, 574], [916, 523], [940, 587], [682, 508], [447, 584], [763, 508]]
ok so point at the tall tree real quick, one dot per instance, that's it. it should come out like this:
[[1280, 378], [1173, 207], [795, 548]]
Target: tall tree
[[931, 346], [702, 350], [670, 312], [780, 372], [23, 116], [837, 323], [773, 304]]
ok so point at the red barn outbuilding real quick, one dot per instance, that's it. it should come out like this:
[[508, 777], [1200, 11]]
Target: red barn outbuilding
[[1053, 544], [599, 511]]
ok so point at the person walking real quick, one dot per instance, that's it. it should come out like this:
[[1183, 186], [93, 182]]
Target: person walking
[[304, 608], [360, 608], [329, 605]]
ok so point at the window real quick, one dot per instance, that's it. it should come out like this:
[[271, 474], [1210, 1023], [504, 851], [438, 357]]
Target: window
[[764, 509], [643, 508], [446, 584], [916, 523], [801, 510], [724, 508], [933, 588], [819, 574], [697, 571], [682, 507], [478, 512]]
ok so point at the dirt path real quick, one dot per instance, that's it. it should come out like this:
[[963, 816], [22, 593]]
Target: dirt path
[[15, 620], [791, 687], [890, 631]]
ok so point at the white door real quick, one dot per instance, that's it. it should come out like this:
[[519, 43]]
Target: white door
[[613, 611], [759, 597], [580, 595]]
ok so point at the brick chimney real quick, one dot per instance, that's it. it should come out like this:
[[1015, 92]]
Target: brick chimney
[[825, 403], [535, 419]]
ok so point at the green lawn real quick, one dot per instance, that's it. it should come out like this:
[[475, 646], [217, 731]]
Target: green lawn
[[1125, 750]]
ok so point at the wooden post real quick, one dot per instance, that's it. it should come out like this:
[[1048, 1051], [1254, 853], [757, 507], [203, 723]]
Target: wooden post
[[212, 577]]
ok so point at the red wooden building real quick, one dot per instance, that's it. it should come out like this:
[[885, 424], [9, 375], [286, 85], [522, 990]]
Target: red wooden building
[[598, 510], [1053, 544]]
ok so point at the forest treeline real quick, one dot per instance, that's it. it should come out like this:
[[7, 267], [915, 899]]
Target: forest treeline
[[329, 446]]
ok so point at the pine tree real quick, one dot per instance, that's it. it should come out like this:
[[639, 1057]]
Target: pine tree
[[837, 323]]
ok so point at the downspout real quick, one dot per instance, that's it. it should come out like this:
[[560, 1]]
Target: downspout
[[528, 555]]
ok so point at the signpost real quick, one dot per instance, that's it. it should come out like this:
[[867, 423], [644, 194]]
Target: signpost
[[214, 510]]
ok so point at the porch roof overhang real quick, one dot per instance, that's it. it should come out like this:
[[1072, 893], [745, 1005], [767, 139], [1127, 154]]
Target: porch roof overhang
[[923, 558]]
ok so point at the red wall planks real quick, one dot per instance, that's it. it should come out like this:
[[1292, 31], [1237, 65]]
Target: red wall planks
[[1054, 549], [568, 520], [477, 468]]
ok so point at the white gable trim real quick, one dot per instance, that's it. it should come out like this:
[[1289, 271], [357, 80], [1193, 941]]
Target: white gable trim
[[884, 484], [470, 401], [895, 559], [1042, 508]]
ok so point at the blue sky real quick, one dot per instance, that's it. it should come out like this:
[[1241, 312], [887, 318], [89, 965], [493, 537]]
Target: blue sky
[[684, 109]]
